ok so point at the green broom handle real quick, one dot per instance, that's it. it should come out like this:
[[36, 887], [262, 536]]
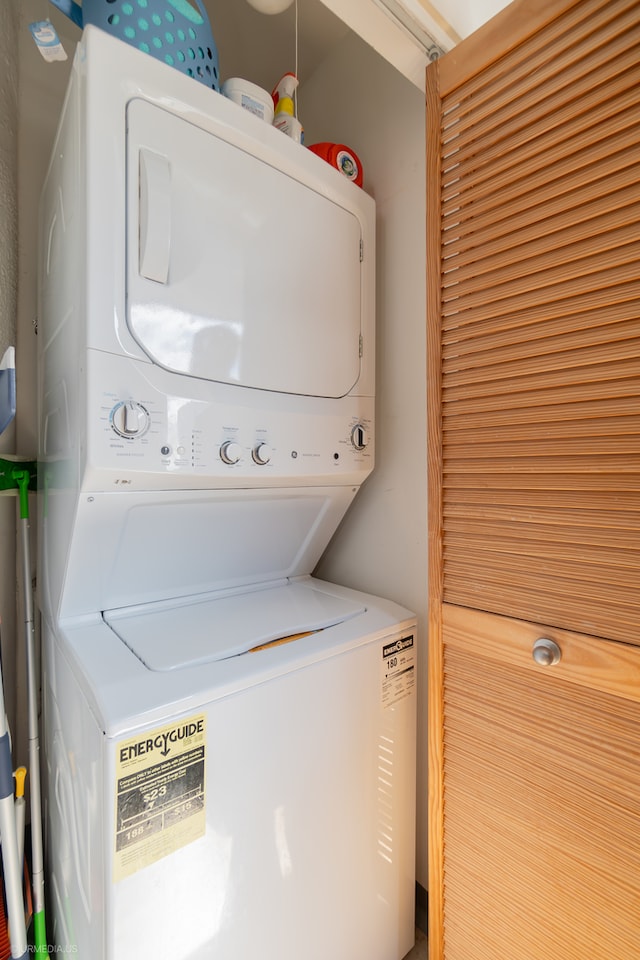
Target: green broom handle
[[22, 478]]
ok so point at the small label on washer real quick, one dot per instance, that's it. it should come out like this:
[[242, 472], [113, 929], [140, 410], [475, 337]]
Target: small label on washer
[[160, 794], [398, 670]]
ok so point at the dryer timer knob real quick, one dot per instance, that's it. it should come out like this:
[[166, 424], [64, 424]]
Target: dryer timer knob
[[359, 437], [130, 419], [230, 452], [262, 454]]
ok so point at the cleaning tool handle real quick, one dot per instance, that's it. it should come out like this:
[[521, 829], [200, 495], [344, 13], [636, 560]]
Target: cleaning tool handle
[[21, 478], [7, 388], [6, 773], [41, 947], [10, 863], [20, 776]]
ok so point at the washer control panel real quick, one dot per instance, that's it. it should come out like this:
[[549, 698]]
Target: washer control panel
[[138, 429]]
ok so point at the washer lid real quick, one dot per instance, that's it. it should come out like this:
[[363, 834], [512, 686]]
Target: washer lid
[[170, 635]]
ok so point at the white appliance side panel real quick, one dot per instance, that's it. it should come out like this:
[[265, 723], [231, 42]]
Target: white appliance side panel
[[236, 271], [61, 340], [309, 841], [73, 789], [142, 547]]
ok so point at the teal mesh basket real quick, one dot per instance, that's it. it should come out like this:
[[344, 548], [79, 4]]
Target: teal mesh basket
[[173, 31]]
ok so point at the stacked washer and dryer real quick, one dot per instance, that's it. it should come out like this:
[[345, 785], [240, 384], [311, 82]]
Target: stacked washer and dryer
[[229, 742]]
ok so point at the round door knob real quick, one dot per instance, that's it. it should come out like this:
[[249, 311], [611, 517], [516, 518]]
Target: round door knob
[[262, 453], [546, 652], [230, 452]]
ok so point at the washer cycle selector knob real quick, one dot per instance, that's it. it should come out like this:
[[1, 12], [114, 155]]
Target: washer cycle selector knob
[[261, 453], [359, 437], [130, 419], [230, 452]]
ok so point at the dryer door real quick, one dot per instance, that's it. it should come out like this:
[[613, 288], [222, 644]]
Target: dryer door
[[236, 271]]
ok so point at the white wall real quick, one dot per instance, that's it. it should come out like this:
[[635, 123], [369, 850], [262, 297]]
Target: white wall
[[41, 90], [358, 99], [465, 16], [8, 175], [8, 302], [37, 88]]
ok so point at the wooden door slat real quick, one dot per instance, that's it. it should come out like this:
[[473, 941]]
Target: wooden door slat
[[576, 161], [516, 295], [615, 321], [552, 203], [603, 233], [531, 125]]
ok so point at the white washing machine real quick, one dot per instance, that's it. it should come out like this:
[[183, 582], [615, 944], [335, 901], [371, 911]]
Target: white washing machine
[[229, 742]]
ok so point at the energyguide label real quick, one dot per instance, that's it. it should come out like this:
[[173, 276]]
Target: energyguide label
[[398, 678], [160, 793]]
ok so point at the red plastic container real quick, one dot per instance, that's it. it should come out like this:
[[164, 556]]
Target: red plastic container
[[341, 157]]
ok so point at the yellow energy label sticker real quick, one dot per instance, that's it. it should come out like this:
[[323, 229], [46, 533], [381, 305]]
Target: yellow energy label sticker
[[160, 798], [398, 670]]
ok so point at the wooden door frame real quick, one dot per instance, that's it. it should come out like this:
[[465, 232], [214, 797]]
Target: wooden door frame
[[434, 520]]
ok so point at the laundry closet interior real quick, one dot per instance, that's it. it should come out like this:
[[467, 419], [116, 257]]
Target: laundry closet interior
[[351, 94]]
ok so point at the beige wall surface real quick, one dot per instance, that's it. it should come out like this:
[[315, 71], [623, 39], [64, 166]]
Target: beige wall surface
[[381, 546], [41, 91], [37, 88], [8, 301]]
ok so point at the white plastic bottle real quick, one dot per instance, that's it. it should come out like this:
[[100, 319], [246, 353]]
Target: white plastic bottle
[[284, 109]]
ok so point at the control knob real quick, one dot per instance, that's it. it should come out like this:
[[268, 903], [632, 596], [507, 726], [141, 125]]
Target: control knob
[[261, 453], [359, 436], [130, 419], [230, 452]]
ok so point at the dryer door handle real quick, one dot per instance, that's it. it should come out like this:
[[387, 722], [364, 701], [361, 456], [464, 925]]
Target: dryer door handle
[[155, 216]]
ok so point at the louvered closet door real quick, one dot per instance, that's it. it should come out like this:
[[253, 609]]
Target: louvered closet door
[[540, 305], [533, 191]]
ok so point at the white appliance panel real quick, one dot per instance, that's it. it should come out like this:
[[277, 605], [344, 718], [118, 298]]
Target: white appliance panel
[[182, 427], [312, 822], [237, 272], [307, 839], [258, 617], [73, 794], [130, 548]]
